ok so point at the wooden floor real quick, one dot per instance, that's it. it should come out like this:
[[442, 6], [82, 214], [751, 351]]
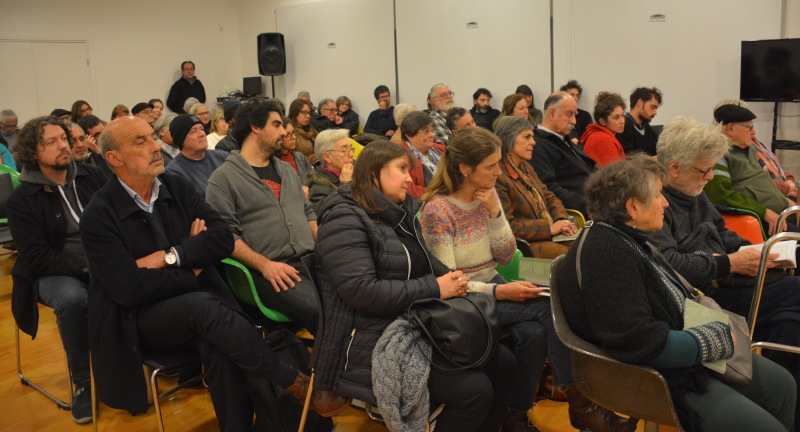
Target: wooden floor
[[24, 409]]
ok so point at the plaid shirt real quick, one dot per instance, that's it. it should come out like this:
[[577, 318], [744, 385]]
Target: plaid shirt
[[519, 207], [441, 133]]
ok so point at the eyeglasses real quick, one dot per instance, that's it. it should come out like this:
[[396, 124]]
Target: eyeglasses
[[386, 96], [146, 111], [444, 95], [328, 109], [81, 138], [748, 126], [289, 136], [305, 112], [345, 150], [203, 114], [702, 172]]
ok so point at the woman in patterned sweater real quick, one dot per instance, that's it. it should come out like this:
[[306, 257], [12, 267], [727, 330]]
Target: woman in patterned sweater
[[465, 228]]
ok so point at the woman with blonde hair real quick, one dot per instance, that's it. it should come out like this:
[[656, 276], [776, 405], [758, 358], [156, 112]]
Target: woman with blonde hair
[[219, 128], [120, 111]]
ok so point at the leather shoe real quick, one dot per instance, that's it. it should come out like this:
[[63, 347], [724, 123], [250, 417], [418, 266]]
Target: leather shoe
[[325, 403], [585, 414], [518, 421]]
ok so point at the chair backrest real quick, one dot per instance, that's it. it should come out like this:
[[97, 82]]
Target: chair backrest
[[6, 188], [310, 263], [12, 172], [524, 247], [747, 226], [241, 284], [636, 391], [510, 272], [580, 220]]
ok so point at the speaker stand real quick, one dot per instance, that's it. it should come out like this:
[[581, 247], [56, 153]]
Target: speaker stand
[[272, 77]]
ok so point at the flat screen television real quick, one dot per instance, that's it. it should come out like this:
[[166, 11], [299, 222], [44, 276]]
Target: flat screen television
[[252, 86], [770, 70]]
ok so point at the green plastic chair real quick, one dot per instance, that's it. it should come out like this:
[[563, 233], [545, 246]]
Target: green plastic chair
[[241, 283], [12, 172], [510, 272]]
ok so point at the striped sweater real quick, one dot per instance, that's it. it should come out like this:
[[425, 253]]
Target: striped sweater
[[464, 237]]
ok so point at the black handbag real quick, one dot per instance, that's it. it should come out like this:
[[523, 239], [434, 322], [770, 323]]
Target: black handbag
[[463, 331]]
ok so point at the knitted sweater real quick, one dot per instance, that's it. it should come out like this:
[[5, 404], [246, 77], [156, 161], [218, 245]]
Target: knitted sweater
[[601, 145], [463, 236]]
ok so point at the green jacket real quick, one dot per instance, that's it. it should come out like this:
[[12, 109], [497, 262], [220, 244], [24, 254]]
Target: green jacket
[[740, 182]]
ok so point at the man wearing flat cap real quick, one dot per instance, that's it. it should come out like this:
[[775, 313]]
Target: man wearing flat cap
[[739, 180], [195, 161], [145, 111]]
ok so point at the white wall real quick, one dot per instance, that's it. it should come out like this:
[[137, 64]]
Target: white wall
[[135, 47], [789, 125]]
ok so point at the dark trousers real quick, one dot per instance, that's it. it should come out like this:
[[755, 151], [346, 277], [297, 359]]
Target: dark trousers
[[530, 325], [475, 399], [68, 296], [230, 348], [778, 320], [298, 303]]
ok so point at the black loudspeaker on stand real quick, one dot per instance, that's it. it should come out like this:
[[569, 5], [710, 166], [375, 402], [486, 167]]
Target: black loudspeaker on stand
[[271, 56]]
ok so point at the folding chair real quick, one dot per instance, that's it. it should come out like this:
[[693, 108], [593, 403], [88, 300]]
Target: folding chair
[[241, 283]]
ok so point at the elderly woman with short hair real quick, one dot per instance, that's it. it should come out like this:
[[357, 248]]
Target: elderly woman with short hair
[[535, 214], [418, 139], [201, 111], [630, 302], [400, 112], [335, 152]]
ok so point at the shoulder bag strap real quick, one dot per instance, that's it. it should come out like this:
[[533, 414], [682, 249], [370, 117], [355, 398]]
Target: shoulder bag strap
[[580, 248]]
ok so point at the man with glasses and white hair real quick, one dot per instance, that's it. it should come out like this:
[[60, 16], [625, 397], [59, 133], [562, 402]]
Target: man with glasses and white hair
[[8, 128], [441, 101], [739, 181], [327, 116]]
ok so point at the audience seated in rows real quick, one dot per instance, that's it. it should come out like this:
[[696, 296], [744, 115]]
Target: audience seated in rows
[[600, 141], [44, 213], [582, 118], [441, 98], [335, 152], [382, 121], [304, 132], [536, 115], [262, 200], [152, 244], [419, 141], [400, 112], [638, 135], [738, 179], [196, 162], [558, 162], [464, 226], [535, 214], [349, 117], [623, 296], [482, 111]]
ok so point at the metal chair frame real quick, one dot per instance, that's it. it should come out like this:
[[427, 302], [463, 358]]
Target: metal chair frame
[[27, 382]]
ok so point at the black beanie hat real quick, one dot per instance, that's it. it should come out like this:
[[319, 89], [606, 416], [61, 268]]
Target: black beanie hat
[[180, 127]]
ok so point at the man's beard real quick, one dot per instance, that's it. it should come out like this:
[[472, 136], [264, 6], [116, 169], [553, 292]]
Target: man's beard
[[482, 110], [57, 166], [446, 107]]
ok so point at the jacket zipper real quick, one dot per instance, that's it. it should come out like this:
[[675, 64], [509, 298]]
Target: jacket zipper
[[430, 265], [347, 354]]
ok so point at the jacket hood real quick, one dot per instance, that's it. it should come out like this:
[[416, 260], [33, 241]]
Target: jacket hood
[[35, 176]]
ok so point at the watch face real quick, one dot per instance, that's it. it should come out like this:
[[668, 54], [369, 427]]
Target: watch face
[[170, 258]]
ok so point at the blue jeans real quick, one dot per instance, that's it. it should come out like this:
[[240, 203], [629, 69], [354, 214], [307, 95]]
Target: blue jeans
[[530, 324], [68, 296]]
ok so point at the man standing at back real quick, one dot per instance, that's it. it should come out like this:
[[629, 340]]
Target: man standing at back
[[43, 214], [560, 164], [185, 87], [262, 199], [638, 136]]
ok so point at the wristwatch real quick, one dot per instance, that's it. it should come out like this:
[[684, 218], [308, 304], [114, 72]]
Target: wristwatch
[[170, 259]]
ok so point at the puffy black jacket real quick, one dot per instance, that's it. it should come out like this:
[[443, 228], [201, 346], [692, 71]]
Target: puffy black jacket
[[363, 270]]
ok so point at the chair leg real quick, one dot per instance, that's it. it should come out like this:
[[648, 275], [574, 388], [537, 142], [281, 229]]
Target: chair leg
[[25, 381], [156, 404], [307, 404], [95, 406]]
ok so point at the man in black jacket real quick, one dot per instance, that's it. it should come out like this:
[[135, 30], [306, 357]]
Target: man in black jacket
[[185, 87], [381, 121], [43, 213], [152, 243], [560, 164], [482, 111], [638, 136]]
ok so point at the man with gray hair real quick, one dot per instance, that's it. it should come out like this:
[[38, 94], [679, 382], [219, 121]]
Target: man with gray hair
[[700, 248], [560, 164], [187, 86], [8, 128], [459, 118], [441, 101], [169, 150], [327, 116]]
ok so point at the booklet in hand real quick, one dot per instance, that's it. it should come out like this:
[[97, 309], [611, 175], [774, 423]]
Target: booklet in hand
[[786, 250]]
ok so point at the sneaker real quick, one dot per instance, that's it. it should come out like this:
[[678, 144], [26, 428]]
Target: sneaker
[[82, 405]]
